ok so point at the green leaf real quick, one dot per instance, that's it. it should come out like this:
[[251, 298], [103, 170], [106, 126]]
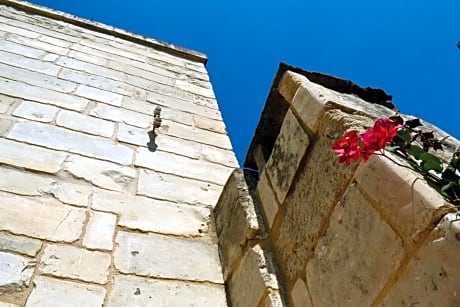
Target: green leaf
[[405, 135], [426, 156], [445, 188], [432, 165], [415, 151]]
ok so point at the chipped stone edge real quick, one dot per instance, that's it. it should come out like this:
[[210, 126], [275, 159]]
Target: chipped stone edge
[[110, 30]]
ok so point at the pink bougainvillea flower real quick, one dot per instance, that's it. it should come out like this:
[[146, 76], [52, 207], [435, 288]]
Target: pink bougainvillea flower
[[379, 136], [347, 147]]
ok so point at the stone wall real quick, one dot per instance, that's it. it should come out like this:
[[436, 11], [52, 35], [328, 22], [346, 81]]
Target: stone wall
[[368, 234], [95, 208]]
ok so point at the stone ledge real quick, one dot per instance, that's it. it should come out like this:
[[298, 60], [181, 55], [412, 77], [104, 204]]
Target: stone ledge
[[105, 29]]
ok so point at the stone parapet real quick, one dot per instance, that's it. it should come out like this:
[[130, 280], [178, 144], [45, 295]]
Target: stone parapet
[[372, 234]]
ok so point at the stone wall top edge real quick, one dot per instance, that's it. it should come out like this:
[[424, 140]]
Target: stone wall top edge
[[109, 30]]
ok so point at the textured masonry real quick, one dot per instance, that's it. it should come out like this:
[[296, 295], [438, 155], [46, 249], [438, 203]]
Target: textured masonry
[[94, 208], [371, 234]]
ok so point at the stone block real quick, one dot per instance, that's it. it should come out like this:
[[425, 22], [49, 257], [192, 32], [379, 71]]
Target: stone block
[[19, 244], [86, 124], [67, 293], [75, 263], [150, 255], [30, 157], [76, 142], [5, 125], [6, 102], [299, 294], [44, 95], [317, 187], [153, 215], [36, 78], [24, 183], [103, 174], [136, 291], [407, 201], [236, 221], [122, 116], [431, 277], [289, 149], [102, 83], [195, 134], [267, 199], [195, 89], [29, 63], [36, 111], [253, 277], [15, 272], [218, 155], [11, 29], [21, 50], [177, 189], [37, 44], [99, 95], [40, 218], [209, 124], [141, 137], [100, 231], [355, 257], [182, 166], [289, 84], [90, 68], [149, 108], [71, 193], [184, 106]]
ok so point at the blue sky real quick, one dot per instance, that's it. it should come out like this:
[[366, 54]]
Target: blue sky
[[408, 48]]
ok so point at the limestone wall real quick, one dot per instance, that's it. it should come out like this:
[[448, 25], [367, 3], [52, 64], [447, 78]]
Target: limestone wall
[[368, 234], [95, 209]]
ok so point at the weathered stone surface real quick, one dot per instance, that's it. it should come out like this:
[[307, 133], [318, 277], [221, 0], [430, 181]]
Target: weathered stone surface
[[36, 111], [36, 44], [31, 157], [142, 292], [192, 88], [67, 293], [70, 193], [122, 116], [209, 124], [431, 278], [177, 189], [40, 219], [356, 255], [5, 125], [100, 231], [408, 201], [24, 183], [148, 214], [90, 68], [77, 263], [86, 124], [140, 137], [289, 84], [99, 95], [252, 278], [150, 255], [102, 83], [15, 272], [19, 244], [29, 63], [185, 106], [6, 102], [236, 220], [76, 142], [36, 79], [101, 173], [289, 149], [182, 166], [273, 298], [218, 155], [2, 304], [299, 294], [195, 134], [267, 199], [317, 188], [29, 92]]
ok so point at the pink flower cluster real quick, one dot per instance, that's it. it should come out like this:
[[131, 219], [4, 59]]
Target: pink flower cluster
[[352, 147]]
